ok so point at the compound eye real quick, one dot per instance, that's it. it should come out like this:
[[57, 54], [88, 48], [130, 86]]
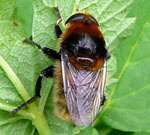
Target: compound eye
[[81, 17]]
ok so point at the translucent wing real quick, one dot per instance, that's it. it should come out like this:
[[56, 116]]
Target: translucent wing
[[69, 76], [90, 94], [83, 90]]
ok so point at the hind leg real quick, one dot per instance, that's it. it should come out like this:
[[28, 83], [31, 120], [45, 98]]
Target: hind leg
[[48, 72]]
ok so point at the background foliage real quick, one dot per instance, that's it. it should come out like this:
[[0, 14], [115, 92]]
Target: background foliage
[[127, 110]]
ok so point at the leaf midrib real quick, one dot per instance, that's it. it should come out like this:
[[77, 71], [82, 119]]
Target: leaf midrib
[[127, 63]]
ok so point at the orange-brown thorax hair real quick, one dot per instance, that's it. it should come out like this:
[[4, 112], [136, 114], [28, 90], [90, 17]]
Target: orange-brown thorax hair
[[87, 26], [82, 28]]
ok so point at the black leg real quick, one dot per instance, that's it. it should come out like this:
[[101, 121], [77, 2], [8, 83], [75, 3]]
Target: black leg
[[58, 31], [58, 12], [48, 72], [103, 98], [48, 52], [108, 56]]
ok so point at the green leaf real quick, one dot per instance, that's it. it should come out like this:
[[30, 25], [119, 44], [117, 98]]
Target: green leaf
[[128, 107], [117, 132], [20, 70], [85, 130], [10, 129], [44, 20], [140, 133], [9, 11], [21, 64], [25, 16]]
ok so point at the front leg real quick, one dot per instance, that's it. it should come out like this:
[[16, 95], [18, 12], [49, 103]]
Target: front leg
[[48, 52], [48, 72], [58, 30]]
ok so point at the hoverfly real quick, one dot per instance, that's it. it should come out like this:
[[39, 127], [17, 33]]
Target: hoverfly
[[81, 72]]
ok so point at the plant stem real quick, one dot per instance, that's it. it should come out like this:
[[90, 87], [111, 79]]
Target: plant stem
[[40, 122], [14, 79], [37, 118]]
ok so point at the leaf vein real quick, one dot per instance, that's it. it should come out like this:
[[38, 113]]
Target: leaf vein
[[117, 12], [131, 93], [127, 63]]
